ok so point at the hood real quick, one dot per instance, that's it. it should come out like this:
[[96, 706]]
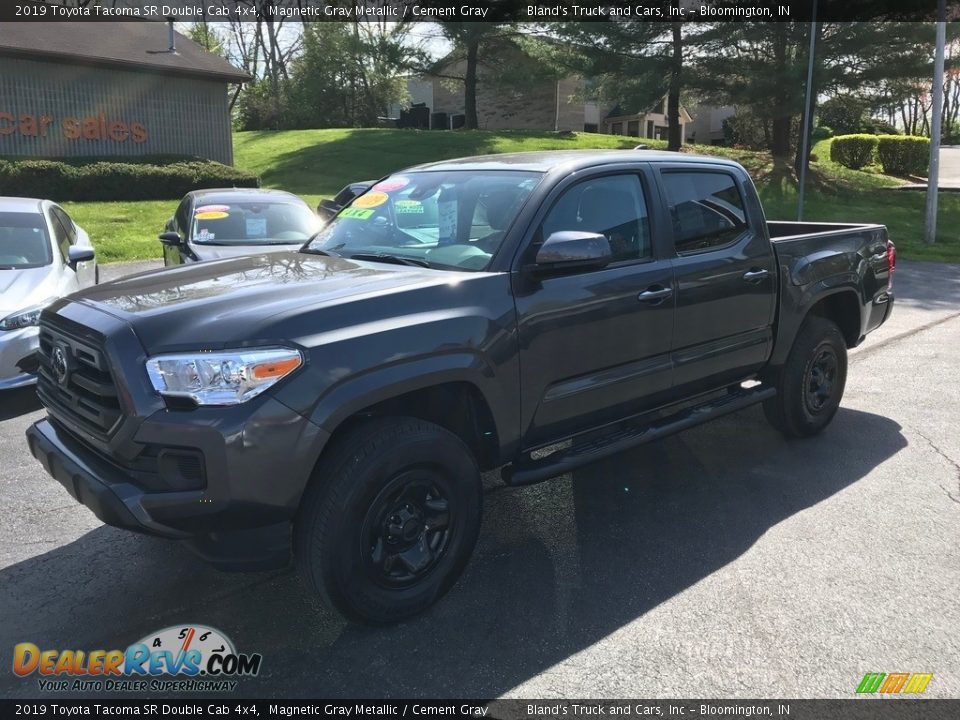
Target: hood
[[23, 287], [242, 300], [219, 252]]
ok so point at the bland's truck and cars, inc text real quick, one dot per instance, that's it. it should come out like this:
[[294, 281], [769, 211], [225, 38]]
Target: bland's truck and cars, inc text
[[530, 312]]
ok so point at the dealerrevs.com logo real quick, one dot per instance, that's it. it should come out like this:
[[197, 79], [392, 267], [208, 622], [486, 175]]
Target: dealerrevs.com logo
[[192, 658]]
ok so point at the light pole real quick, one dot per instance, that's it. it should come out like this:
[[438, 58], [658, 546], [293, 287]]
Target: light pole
[[807, 119], [933, 180]]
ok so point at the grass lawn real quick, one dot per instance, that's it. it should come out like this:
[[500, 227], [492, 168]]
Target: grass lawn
[[317, 163], [123, 231]]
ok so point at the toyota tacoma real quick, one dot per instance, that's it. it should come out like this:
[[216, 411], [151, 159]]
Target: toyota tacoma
[[529, 313]]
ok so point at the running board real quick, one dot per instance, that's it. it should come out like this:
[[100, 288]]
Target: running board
[[563, 461]]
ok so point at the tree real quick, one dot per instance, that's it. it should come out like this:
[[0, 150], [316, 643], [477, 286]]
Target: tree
[[208, 37], [762, 66], [469, 41], [844, 113], [632, 63], [348, 74]]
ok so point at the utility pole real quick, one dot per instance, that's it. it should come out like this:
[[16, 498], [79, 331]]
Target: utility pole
[[807, 119], [933, 181]]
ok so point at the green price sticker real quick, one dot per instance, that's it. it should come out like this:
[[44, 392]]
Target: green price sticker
[[356, 213]]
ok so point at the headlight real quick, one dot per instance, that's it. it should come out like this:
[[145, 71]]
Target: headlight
[[221, 378], [26, 317]]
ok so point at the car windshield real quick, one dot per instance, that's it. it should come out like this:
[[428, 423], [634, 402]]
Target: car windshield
[[449, 220], [24, 242], [252, 223]]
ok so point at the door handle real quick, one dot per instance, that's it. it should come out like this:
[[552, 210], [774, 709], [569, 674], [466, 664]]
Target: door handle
[[654, 296], [755, 276]]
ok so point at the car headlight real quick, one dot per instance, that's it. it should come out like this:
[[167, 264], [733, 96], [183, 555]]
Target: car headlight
[[221, 378], [26, 317]]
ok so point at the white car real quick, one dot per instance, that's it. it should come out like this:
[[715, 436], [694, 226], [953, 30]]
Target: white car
[[44, 255]]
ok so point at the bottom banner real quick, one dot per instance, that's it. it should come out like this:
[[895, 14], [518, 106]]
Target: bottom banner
[[513, 709]]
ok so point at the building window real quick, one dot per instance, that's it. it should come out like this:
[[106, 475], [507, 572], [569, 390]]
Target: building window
[[590, 127], [616, 128], [649, 129], [633, 128]]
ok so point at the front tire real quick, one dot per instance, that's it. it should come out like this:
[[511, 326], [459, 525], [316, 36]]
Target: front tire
[[810, 384], [390, 519]]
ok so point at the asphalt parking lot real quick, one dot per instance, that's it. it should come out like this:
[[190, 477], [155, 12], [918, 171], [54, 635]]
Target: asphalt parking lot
[[724, 561]]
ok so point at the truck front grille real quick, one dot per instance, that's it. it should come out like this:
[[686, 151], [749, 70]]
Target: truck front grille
[[75, 381]]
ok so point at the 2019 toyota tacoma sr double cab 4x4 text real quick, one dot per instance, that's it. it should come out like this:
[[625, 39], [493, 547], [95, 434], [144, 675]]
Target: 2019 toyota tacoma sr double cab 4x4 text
[[529, 312]]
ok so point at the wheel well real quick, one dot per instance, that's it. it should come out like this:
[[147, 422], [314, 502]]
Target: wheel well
[[455, 406], [843, 309]]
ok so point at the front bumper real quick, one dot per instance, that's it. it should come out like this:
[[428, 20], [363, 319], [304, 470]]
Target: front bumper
[[256, 462], [94, 482], [18, 350]]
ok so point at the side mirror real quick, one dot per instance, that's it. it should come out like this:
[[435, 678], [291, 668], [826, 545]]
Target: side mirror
[[573, 250], [327, 209], [170, 238], [79, 254]]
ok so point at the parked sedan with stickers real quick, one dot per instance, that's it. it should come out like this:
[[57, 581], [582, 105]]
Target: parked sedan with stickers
[[44, 255], [215, 224]]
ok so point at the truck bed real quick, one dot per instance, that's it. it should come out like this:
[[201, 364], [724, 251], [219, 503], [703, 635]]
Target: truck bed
[[815, 251]]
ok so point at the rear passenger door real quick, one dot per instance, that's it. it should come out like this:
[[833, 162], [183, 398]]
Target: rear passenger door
[[725, 274], [594, 346]]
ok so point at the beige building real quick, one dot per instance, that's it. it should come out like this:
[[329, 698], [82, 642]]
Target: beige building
[[543, 104], [652, 124]]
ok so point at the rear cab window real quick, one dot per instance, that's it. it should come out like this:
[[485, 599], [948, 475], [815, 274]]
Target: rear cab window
[[706, 209]]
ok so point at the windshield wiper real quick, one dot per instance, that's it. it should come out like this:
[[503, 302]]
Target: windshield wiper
[[387, 258], [319, 251]]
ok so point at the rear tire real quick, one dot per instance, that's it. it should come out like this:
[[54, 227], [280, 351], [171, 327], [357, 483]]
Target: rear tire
[[810, 384], [390, 519]]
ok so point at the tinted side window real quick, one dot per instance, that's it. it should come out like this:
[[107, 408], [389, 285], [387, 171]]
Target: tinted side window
[[613, 206], [60, 236], [180, 219], [66, 223], [706, 209]]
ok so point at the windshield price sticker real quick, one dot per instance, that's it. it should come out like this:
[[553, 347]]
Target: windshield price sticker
[[256, 227], [370, 200], [391, 184], [356, 213], [408, 207]]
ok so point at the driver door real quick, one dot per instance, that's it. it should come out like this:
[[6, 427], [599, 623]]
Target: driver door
[[595, 345]]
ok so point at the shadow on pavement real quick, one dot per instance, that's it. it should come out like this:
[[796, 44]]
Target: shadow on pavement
[[14, 403], [559, 567], [927, 285]]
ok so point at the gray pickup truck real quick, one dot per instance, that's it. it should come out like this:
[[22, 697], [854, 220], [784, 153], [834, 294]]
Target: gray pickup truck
[[529, 312]]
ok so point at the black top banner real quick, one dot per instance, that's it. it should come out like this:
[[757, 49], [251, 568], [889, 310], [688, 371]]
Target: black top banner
[[476, 10]]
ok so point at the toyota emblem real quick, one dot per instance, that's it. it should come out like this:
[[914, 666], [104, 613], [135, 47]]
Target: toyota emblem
[[58, 361]]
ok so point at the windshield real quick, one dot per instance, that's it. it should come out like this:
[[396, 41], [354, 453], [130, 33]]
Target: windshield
[[451, 220], [24, 242], [253, 223]]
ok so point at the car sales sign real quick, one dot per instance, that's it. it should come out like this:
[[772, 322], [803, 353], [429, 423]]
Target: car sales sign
[[91, 127]]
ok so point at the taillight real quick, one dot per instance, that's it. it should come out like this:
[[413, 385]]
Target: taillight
[[891, 263]]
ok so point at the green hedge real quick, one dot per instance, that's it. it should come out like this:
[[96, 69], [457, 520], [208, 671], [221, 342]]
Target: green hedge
[[107, 180], [853, 151], [904, 154]]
